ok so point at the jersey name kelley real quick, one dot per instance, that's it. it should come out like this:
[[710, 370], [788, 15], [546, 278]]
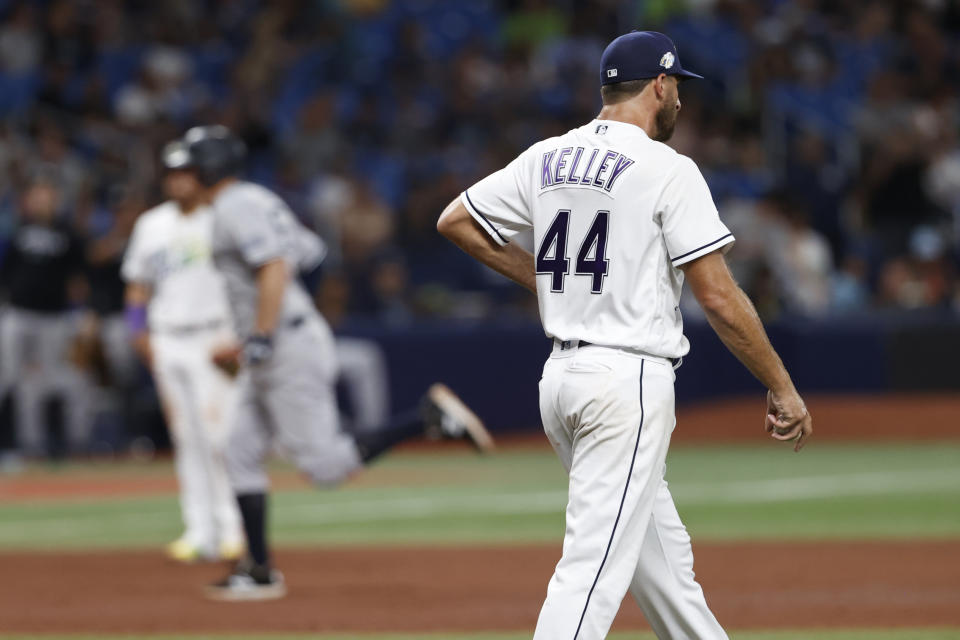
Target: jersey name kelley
[[582, 167]]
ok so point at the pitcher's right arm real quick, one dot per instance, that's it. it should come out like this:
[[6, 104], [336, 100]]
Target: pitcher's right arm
[[457, 225]]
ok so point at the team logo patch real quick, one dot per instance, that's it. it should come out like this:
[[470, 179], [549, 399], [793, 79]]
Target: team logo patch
[[611, 73], [667, 60], [601, 129]]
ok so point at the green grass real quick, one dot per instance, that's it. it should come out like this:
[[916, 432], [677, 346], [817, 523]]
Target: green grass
[[867, 634], [723, 492]]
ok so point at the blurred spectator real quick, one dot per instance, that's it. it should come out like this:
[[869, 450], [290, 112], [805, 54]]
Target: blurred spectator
[[388, 289], [69, 33], [532, 23], [42, 277], [333, 298], [900, 285], [370, 116], [805, 265], [316, 144], [164, 90], [120, 370], [921, 278], [849, 288], [366, 226], [20, 42], [928, 251], [52, 156], [811, 171], [942, 179]]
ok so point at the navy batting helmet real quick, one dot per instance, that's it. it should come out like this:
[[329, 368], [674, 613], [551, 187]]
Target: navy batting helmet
[[214, 152]]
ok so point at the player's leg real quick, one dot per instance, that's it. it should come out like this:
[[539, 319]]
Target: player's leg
[[118, 350], [11, 369], [58, 384], [558, 432], [441, 414], [122, 363], [301, 402], [50, 362], [49, 337], [664, 584], [290, 397], [300, 399], [23, 335], [175, 386], [247, 446], [248, 442], [72, 383], [617, 409], [217, 395]]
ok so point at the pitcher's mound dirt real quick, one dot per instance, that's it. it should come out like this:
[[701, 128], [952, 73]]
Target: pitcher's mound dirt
[[804, 584]]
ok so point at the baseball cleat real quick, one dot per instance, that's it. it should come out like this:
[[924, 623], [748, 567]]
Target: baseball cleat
[[232, 551], [248, 582], [183, 551], [456, 420]]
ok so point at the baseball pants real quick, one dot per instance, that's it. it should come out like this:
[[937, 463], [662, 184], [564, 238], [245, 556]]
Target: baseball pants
[[363, 370], [290, 400], [609, 415], [199, 401], [35, 368]]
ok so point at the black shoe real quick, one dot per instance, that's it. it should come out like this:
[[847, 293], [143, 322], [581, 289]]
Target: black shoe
[[446, 415], [249, 581]]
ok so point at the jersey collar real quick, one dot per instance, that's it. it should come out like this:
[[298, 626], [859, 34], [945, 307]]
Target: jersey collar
[[618, 125]]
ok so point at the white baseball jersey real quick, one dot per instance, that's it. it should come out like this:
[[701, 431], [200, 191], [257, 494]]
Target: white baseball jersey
[[171, 252], [614, 214]]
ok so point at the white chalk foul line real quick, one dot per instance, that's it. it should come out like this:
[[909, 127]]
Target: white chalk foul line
[[364, 507], [825, 486], [779, 490]]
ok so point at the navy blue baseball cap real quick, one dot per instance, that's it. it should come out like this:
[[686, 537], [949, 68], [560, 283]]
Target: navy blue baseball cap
[[639, 55]]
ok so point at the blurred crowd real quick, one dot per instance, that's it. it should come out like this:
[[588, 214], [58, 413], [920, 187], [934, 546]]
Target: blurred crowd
[[828, 131]]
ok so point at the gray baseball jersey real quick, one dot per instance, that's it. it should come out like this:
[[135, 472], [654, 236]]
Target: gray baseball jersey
[[253, 226], [290, 398]]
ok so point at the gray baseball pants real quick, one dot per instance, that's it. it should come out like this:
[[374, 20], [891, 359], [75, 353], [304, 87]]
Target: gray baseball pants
[[290, 401]]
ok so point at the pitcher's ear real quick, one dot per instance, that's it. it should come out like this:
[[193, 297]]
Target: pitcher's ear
[[659, 85]]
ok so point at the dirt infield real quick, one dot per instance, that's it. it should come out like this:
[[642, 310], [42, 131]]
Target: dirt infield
[[419, 589], [905, 416]]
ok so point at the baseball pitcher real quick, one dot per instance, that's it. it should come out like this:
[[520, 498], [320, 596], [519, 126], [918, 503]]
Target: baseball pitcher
[[177, 314], [619, 220]]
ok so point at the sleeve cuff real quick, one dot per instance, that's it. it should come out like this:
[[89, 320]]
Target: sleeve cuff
[[131, 274], [255, 262], [482, 220], [256, 252], [724, 242]]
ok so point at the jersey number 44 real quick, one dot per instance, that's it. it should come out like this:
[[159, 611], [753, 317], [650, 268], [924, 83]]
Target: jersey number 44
[[591, 260]]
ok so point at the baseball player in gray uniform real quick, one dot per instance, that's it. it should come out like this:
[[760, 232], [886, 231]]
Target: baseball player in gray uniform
[[285, 358], [619, 220]]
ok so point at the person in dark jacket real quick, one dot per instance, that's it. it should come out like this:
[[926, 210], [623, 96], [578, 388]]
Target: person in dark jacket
[[41, 276]]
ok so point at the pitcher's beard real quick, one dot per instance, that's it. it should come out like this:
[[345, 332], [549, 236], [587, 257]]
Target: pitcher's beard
[[666, 122]]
